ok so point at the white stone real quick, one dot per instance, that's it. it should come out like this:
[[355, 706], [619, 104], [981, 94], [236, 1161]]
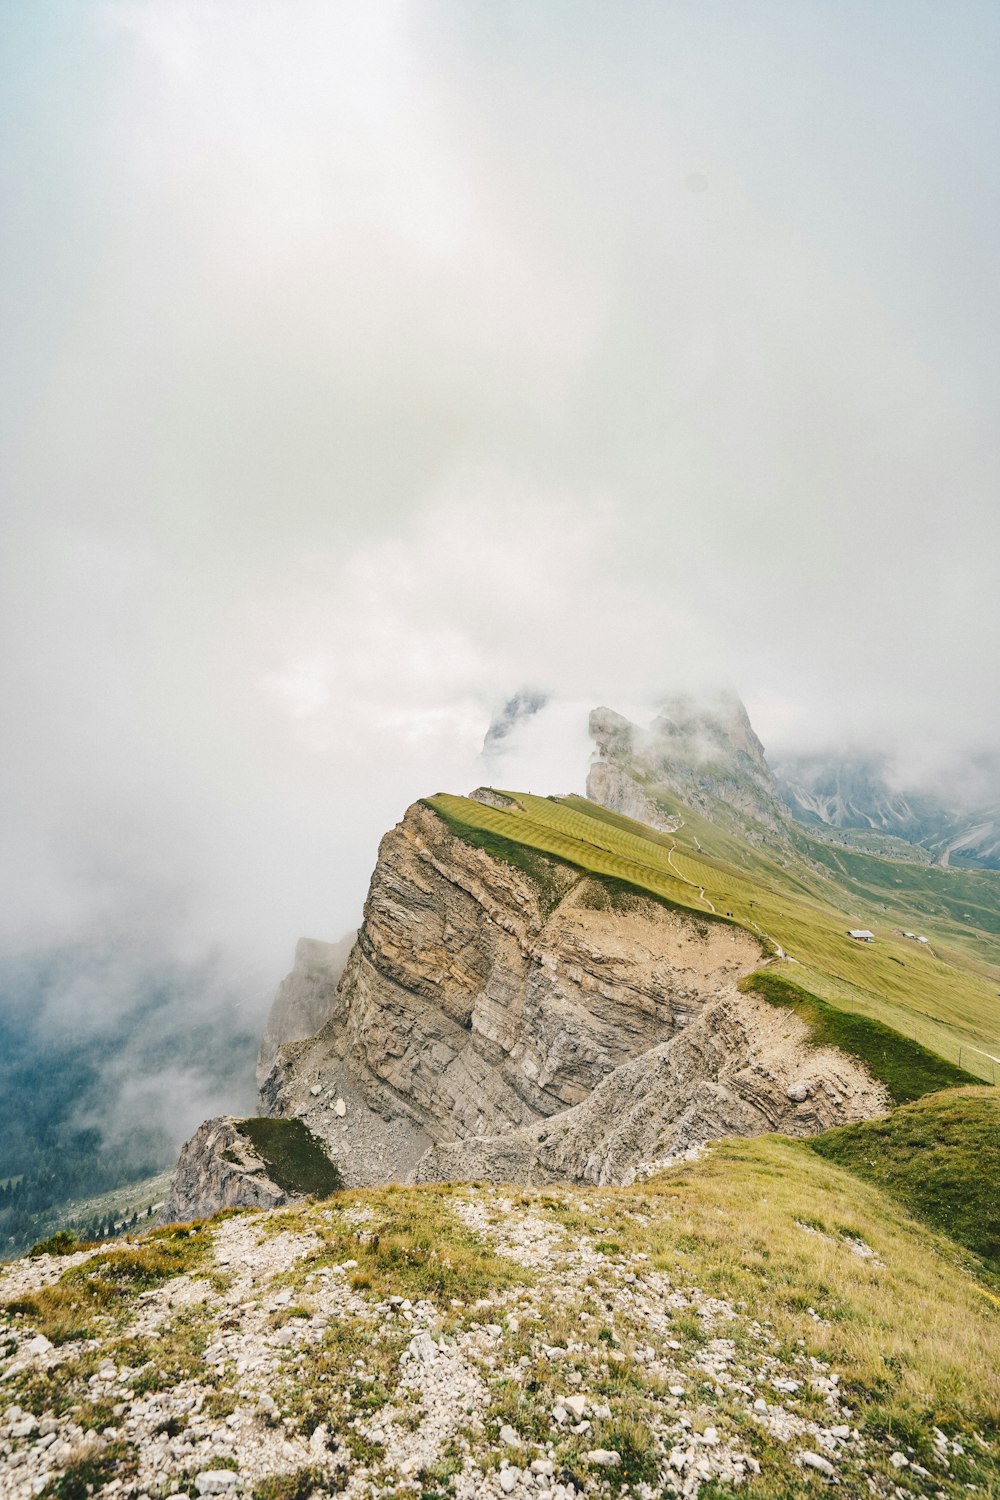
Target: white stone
[[819, 1463], [509, 1436], [509, 1480], [38, 1345], [216, 1482], [543, 1466], [604, 1458], [340, 1109], [898, 1460], [316, 1089], [423, 1348], [676, 1390], [575, 1404]]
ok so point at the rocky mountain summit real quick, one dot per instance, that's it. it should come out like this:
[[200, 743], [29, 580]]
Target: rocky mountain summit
[[504, 1016], [706, 752]]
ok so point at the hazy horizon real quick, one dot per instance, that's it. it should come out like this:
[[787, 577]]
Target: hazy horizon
[[364, 365]]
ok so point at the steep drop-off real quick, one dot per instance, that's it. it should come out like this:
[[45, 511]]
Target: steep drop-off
[[503, 1015]]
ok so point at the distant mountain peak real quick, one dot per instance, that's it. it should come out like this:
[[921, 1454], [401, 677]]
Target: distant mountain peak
[[704, 749], [523, 705]]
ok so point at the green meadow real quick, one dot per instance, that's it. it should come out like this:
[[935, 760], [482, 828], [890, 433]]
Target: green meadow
[[800, 896]]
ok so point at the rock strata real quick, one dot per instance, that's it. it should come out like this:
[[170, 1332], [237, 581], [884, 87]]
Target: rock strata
[[514, 1019]]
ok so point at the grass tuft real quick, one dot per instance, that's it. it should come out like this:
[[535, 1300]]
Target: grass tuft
[[93, 1465], [298, 1484]]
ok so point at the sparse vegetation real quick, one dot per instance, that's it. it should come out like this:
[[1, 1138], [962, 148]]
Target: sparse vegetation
[[299, 1484], [106, 1285], [93, 1465], [766, 1254], [414, 1246]]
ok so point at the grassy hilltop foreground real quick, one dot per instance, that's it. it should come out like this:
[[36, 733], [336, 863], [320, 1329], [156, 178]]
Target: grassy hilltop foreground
[[761, 1320]]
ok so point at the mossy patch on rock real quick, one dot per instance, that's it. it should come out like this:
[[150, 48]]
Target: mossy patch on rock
[[294, 1157]]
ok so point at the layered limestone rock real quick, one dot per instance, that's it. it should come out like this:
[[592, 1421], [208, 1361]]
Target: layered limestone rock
[[504, 1015], [304, 1000], [219, 1168], [739, 1068]]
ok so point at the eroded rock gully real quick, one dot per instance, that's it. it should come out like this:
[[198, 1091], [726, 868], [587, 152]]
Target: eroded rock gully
[[515, 1020]]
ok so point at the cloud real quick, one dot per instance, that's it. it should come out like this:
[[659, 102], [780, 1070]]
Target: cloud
[[364, 365]]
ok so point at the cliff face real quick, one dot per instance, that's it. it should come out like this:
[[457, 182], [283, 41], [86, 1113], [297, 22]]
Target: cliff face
[[616, 790], [304, 999], [502, 1015], [219, 1168]]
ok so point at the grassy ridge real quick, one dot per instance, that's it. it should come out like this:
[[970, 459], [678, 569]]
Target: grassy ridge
[[942, 995], [908, 1070], [564, 838], [939, 1157]]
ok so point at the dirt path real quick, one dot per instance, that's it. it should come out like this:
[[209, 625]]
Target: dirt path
[[778, 949], [699, 888]]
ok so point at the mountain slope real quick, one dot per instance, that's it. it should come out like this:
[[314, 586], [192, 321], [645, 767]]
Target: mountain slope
[[735, 843], [535, 1006], [760, 1319], [855, 793]]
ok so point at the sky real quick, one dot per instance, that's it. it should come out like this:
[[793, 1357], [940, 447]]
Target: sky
[[361, 365]]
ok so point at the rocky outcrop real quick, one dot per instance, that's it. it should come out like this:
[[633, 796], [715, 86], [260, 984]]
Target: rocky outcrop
[[616, 790], [304, 1001], [219, 1168], [739, 1068], [503, 1014], [706, 752]]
